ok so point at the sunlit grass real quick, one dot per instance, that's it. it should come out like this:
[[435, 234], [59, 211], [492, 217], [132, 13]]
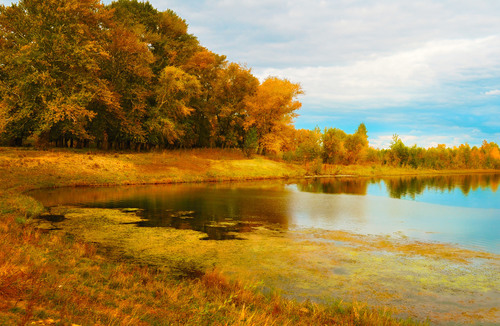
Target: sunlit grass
[[24, 169], [49, 277]]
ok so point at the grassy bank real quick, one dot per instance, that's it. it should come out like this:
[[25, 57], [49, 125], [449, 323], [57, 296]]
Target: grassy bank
[[22, 169], [49, 277]]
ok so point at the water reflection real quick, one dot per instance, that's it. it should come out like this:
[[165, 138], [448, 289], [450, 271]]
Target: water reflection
[[351, 186], [404, 187], [454, 209], [413, 186], [219, 210]]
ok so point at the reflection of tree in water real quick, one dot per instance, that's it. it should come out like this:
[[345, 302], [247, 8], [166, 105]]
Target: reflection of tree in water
[[352, 186], [412, 186], [406, 186]]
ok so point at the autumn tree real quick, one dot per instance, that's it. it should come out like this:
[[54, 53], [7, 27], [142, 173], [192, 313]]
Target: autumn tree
[[128, 76], [206, 67], [399, 151], [128, 71], [165, 33], [307, 145], [233, 85], [173, 93], [271, 111], [334, 151], [52, 52], [356, 146]]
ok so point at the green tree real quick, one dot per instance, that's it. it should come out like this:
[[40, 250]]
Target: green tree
[[399, 151], [174, 92], [233, 85], [251, 142], [206, 66], [334, 151], [356, 146]]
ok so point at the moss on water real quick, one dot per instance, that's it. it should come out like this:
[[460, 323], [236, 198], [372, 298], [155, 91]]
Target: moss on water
[[313, 264]]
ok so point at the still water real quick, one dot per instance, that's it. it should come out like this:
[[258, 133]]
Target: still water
[[462, 210]]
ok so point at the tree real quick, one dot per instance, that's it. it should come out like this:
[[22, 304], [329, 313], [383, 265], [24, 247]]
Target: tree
[[271, 111], [205, 66], [51, 52], [356, 145], [233, 85], [129, 73], [251, 143], [399, 151], [173, 93], [307, 144], [334, 151]]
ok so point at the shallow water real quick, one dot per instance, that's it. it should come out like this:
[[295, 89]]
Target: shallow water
[[380, 241], [462, 210]]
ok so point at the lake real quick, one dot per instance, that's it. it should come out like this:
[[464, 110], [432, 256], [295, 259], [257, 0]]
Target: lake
[[461, 209], [423, 247]]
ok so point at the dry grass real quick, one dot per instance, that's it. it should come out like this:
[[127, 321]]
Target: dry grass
[[50, 278], [47, 278], [23, 169], [384, 170]]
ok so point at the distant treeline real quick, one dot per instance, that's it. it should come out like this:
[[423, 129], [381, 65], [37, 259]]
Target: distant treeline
[[334, 146], [77, 73]]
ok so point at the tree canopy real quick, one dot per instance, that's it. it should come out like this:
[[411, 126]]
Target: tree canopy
[[80, 73]]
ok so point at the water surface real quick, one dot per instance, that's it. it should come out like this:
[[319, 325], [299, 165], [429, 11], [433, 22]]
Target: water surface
[[463, 210]]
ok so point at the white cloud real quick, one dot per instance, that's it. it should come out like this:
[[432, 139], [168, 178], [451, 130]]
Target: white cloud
[[382, 80], [448, 136], [493, 92]]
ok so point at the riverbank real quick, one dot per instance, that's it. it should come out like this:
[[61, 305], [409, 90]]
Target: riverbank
[[50, 277], [26, 169]]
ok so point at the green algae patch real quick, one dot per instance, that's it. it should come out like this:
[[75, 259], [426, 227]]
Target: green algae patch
[[385, 272]]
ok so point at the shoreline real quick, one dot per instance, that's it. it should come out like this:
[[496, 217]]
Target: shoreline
[[34, 256], [75, 168]]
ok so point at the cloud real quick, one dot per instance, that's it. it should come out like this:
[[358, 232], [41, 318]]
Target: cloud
[[493, 92], [399, 77], [450, 136]]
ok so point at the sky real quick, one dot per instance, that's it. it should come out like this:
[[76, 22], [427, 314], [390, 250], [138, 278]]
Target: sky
[[427, 70]]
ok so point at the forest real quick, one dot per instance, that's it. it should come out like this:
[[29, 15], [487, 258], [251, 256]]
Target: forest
[[126, 76]]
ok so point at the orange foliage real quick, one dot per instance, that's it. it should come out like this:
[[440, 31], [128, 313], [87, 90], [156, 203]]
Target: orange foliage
[[271, 111]]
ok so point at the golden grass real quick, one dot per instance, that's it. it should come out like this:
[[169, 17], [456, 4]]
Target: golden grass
[[384, 170], [47, 278], [23, 169], [51, 278]]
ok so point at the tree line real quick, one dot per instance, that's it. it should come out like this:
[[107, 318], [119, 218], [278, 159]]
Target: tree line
[[334, 146], [77, 73], [125, 76]]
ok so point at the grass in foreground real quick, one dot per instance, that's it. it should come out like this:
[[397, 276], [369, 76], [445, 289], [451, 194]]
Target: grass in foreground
[[49, 278]]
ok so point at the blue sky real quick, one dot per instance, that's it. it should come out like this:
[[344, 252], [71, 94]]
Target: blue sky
[[427, 70]]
